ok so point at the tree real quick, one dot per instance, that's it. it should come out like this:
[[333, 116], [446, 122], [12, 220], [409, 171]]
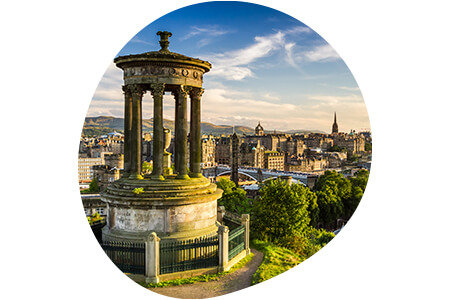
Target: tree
[[234, 199], [330, 206], [282, 211], [333, 190], [336, 148], [93, 186], [358, 186]]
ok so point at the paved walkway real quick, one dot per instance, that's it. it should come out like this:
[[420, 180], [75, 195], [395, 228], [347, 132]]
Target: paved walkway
[[232, 282]]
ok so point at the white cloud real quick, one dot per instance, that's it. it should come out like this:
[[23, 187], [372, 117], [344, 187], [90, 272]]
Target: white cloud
[[289, 54], [351, 89], [321, 53], [237, 64], [234, 65], [208, 34], [211, 30]]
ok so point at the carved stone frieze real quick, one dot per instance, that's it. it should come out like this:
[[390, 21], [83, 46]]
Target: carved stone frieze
[[152, 70]]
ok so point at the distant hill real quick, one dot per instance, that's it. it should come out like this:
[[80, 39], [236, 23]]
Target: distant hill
[[305, 131], [103, 125]]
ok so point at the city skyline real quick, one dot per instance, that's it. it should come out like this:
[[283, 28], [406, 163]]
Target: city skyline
[[276, 70]]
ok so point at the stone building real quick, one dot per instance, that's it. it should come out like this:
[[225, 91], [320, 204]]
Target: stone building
[[208, 151], [354, 143], [109, 171], [306, 164], [85, 167], [274, 160], [223, 151], [252, 155], [295, 146]]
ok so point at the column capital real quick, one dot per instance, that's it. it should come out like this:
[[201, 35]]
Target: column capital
[[157, 89], [182, 90], [196, 92], [134, 89]]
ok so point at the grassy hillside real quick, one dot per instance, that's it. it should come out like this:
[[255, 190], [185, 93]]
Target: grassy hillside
[[276, 260]]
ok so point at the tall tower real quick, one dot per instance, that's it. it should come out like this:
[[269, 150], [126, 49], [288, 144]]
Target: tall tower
[[259, 130], [234, 159], [335, 125]]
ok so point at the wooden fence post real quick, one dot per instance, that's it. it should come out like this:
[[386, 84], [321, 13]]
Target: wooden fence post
[[152, 258], [223, 248], [245, 220]]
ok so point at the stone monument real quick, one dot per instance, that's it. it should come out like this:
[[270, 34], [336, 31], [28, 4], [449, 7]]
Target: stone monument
[[178, 206]]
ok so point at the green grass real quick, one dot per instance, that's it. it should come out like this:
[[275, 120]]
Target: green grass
[[201, 278], [276, 260]]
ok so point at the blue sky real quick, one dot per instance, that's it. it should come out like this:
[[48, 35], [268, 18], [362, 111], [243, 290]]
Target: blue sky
[[267, 67]]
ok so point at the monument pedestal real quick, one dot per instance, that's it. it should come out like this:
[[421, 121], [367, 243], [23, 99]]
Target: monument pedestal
[[173, 208]]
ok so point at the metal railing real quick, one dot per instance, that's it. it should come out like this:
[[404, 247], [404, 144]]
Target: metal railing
[[128, 257], [236, 241], [178, 256]]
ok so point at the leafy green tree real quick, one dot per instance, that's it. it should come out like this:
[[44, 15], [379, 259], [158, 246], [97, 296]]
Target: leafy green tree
[[340, 185], [330, 206], [282, 211], [333, 190], [358, 186], [93, 186], [234, 199], [336, 148]]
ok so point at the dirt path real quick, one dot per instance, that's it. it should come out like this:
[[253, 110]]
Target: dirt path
[[235, 281]]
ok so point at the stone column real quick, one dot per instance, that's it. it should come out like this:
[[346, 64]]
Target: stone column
[[135, 148], [152, 258], [245, 220], [127, 129], [223, 248], [181, 131], [195, 157], [220, 214], [157, 90]]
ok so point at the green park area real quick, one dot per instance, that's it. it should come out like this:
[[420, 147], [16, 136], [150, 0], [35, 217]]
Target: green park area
[[291, 222]]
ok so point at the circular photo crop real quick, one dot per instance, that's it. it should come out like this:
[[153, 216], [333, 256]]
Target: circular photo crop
[[226, 143]]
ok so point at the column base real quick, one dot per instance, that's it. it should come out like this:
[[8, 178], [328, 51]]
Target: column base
[[195, 175], [156, 177], [152, 279], [180, 176], [135, 176], [167, 171]]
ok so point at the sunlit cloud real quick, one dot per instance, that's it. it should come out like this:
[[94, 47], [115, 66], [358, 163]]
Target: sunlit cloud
[[321, 53], [234, 65], [351, 89], [208, 34]]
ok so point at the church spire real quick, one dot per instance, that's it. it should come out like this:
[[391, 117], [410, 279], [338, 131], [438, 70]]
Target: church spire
[[335, 125]]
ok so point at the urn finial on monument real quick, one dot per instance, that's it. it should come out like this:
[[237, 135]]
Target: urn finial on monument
[[164, 42]]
